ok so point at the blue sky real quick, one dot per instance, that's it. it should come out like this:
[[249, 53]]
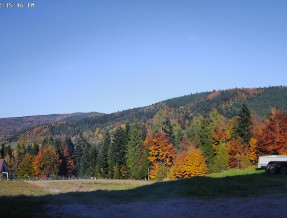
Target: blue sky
[[107, 56]]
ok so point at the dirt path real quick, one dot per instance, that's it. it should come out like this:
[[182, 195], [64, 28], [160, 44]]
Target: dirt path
[[273, 206]]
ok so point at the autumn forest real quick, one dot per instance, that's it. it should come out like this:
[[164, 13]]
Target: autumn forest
[[182, 137]]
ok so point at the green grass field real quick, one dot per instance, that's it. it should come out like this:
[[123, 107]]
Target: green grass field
[[24, 198]]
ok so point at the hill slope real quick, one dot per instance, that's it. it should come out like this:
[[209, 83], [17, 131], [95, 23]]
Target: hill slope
[[227, 102], [10, 126]]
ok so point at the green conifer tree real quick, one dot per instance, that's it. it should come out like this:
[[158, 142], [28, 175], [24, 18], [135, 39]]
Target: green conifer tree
[[102, 164], [244, 123], [205, 140], [7, 151], [71, 147], [93, 160], [35, 149], [133, 154], [194, 129], [168, 130], [117, 150], [82, 156]]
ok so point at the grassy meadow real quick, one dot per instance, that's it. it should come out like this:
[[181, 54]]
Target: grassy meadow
[[25, 198]]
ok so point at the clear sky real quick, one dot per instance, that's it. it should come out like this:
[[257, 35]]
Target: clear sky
[[107, 56]]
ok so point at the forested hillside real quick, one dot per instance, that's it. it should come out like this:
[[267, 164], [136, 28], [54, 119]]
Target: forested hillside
[[179, 138], [226, 102], [12, 125]]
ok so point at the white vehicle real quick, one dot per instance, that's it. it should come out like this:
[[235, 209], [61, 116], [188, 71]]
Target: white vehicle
[[273, 164]]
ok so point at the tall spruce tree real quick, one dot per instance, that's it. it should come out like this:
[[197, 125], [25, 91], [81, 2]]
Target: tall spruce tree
[[168, 130], [244, 123], [7, 151], [71, 147], [93, 160], [57, 144], [133, 154], [205, 140], [117, 150], [35, 149], [29, 149], [127, 128], [194, 129], [178, 136], [78, 158], [82, 154], [103, 156]]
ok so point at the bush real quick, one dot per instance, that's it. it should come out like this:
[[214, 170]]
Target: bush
[[161, 173]]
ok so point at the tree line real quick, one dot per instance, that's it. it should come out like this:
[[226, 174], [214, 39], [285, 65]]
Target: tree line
[[159, 148], [226, 102]]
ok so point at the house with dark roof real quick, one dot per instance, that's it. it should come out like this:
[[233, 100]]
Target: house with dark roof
[[4, 171]]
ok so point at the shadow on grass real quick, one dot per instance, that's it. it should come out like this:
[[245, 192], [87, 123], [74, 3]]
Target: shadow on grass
[[201, 187]]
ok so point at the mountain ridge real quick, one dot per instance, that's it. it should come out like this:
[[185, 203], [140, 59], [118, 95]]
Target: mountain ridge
[[226, 102], [12, 125]]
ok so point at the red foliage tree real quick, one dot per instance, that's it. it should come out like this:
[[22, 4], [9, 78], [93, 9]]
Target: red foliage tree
[[273, 139]]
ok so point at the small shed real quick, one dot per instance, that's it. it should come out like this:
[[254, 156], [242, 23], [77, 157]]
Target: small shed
[[4, 169]]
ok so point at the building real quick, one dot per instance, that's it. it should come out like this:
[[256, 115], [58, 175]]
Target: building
[[4, 169]]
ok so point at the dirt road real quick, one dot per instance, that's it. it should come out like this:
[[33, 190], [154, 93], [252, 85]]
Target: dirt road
[[270, 206]]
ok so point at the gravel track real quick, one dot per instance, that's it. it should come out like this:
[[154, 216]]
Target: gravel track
[[267, 206]]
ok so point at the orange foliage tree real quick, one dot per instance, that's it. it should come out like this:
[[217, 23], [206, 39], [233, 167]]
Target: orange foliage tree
[[188, 164], [234, 149], [37, 165], [160, 152], [273, 139], [219, 134], [46, 163], [256, 130]]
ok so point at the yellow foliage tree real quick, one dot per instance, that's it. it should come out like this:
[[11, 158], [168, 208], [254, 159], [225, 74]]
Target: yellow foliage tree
[[153, 171], [253, 152], [189, 164]]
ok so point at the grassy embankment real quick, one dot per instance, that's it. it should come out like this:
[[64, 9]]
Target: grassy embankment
[[30, 197]]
